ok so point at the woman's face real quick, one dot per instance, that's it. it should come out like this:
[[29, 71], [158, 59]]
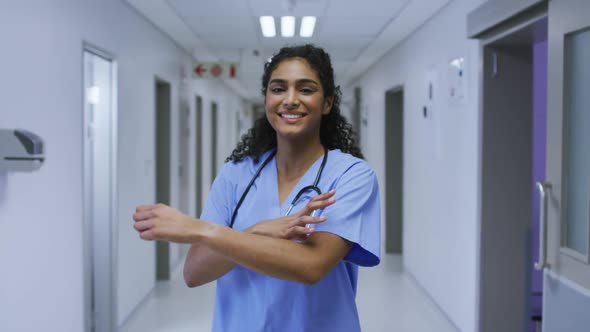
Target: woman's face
[[294, 100]]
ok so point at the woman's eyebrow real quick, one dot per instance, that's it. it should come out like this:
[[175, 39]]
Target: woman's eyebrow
[[278, 81], [306, 80], [299, 81]]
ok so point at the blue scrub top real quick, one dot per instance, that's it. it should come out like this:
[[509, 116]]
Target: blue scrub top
[[253, 302]]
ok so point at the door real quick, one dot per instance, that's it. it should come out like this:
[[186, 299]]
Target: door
[[100, 183], [198, 155], [356, 114], [163, 171], [566, 291], [394, 153]]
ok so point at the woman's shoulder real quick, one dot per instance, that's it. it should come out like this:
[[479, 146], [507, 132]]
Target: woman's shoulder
[[347, 161], [246, 165]]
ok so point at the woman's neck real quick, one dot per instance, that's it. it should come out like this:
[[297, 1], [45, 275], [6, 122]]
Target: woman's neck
[[293, 160]]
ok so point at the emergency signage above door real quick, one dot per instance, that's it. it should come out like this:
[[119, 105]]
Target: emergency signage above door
[[215, 70]]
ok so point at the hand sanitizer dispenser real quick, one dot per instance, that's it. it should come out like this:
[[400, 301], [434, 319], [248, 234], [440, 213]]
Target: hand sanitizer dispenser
[[20, 151]]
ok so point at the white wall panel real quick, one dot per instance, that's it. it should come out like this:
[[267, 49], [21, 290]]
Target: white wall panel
[[41, 213], [441, 155]]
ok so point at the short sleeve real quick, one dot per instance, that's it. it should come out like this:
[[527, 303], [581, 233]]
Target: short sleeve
[[220, 200], [356, 215]]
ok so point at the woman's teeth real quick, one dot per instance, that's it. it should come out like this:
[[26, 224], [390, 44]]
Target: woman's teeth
[[292, 116]]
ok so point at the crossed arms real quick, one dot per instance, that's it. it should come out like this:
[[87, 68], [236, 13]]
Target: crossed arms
[[266, 247]]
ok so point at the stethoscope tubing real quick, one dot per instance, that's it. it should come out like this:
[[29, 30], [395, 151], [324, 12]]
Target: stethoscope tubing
[[303, 190]]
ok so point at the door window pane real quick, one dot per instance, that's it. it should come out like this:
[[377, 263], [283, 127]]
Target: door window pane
[[577, 135]]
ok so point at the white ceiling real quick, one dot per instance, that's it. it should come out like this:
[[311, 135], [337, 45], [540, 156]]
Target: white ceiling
[[355, 33]]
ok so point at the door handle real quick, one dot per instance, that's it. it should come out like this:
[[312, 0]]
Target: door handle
[[543, 188]]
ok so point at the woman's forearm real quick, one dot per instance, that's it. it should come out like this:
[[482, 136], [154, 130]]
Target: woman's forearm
[[302, 262], [203, 265]]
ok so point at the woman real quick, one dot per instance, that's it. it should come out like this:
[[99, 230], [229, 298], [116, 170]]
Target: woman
[[276, 273]]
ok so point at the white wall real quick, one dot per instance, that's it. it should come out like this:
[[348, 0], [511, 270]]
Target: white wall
[[41, 284], [441, 156]]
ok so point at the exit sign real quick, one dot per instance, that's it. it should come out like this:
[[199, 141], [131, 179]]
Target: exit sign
[[215, 70]]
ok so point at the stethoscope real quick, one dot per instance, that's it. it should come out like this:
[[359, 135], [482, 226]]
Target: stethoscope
[[303, 190]]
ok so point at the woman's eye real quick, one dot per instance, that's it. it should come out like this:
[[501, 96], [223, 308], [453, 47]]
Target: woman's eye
[[276, 90], [307, 91]]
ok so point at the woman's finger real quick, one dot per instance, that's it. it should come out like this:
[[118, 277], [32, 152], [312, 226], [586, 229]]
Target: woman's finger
[[318, 202], [143, 225], [323, 196], [299, 231], [143, 215], [321, 204], [147, 235], [311, 206], [145, 208], [304, 220]]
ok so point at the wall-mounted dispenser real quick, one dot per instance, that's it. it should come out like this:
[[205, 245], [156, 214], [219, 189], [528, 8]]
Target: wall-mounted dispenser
[[20, 151]]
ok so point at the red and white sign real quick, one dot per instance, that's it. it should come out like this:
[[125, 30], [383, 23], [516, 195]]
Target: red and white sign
[[215, 70]]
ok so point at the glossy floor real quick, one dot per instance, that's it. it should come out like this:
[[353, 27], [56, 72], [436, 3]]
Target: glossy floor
[[388, 301]]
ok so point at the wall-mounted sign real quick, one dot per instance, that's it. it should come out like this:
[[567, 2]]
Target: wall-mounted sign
[[215, 70], [457, 85]]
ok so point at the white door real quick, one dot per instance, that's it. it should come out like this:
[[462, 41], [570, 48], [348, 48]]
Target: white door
[[566, 299], [100, 146]]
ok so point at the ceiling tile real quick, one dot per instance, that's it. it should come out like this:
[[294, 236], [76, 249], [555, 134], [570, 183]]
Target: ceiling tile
[[238, 32], [368, 27], [217, 8], [364, 9], [283, 7]]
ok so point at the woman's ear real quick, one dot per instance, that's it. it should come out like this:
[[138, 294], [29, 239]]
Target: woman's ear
[[328, 102]]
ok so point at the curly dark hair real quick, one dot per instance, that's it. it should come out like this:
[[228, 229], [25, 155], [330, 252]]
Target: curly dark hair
[[335, 131]]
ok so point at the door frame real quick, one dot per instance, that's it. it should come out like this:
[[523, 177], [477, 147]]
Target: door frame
[[90, 318]]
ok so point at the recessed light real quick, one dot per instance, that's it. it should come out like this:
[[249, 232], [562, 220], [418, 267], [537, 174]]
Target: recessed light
[[307, 26], [267, 24], [288, 26]]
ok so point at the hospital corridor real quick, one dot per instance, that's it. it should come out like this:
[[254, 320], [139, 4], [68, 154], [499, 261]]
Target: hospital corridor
[[320, 165]]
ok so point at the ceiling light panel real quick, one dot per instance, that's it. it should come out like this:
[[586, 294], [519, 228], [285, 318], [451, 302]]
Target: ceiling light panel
[[307, 26], [288, 26], [267, 24]]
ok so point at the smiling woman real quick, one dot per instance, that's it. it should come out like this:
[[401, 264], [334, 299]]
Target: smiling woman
[[273, 271], [335, 131]]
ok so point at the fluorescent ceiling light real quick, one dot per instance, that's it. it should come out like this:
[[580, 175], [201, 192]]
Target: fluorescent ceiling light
[[267, 23], [307, 26], [288, 26]]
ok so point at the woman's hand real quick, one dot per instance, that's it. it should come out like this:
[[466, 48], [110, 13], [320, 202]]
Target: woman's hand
[[292, 227], [161, 222]]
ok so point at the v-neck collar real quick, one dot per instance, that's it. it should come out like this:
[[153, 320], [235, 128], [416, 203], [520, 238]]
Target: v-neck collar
[[306, 180]]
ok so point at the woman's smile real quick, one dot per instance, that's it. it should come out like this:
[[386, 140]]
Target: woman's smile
[[292, 117]]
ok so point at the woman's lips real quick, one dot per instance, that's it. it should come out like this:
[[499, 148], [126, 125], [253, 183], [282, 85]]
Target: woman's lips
[[292, 117]]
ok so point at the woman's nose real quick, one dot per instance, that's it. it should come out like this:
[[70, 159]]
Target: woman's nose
[[291, 98]]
